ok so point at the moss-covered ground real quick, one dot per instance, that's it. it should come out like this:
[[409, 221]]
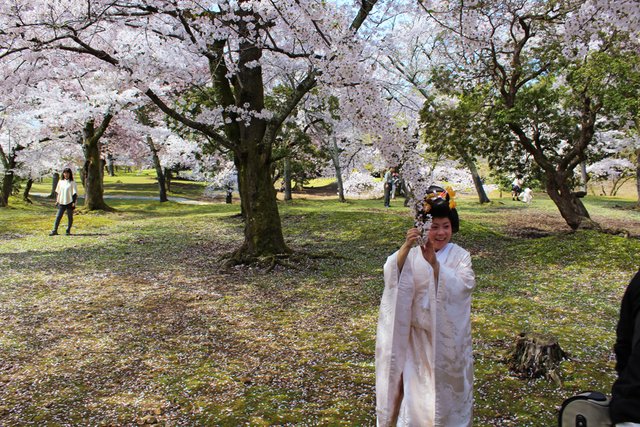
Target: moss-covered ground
[[131, 320]]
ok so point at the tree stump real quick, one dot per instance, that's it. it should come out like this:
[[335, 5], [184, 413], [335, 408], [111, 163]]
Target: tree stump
[[537, 355]]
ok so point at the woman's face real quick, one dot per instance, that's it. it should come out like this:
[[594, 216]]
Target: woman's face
[[440, 232], [65, 175]]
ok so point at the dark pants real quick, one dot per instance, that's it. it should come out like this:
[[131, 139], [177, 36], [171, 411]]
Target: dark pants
[[387, 194], [61, 210]]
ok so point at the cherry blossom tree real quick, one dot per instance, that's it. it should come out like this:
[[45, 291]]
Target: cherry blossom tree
[[237, 48], [413, 82], [550, 82]]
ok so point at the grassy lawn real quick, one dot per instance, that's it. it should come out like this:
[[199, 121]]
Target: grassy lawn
[[140, 184], [131, 320]]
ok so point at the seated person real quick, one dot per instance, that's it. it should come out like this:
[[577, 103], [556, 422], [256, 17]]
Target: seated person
[[625, 400]]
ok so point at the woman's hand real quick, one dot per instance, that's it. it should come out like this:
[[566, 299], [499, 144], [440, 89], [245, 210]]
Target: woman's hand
[[411, 238], [429, 253]]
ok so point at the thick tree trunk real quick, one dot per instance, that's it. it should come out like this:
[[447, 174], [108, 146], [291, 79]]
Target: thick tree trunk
[[9, 163], [54, 185], [7, 188], [168, 176], [94, 179], [262, 230], [287, 179], [27, 189], [569, 205], [94, 166], [335, 157], [158, 167]]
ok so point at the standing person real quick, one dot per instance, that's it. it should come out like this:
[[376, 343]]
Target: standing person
[[625, 393], [395, 181], [67, 194], [424, 361], [516, 187], [388, 182]]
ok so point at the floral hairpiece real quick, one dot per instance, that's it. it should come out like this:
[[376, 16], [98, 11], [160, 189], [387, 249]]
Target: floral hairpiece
[[423, 207]]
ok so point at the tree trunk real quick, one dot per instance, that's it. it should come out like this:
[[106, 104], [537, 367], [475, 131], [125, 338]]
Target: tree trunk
[[7, 181], [158, 167], [167, 179], [287, 178], [27, 189], [569, 205], [335, 157], [7, 188], [94, 166], [9, 163], [54, 185], [477, 181], [262, 229]]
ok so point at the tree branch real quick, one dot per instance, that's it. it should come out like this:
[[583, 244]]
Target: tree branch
[[206, 130]]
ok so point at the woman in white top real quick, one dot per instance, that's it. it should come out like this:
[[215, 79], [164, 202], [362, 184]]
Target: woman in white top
[[67, 193], [424, 361]]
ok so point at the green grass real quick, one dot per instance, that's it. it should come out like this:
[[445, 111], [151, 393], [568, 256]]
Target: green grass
[[140, 184], [131, 320]]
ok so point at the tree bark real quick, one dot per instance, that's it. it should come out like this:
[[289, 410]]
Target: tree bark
[[54, 185], [569, 205], [167, 179], [287, 178], [93, 166], [335, 158], [536, 355], [9, 163], [262, 228], [7, 188], [477, 181], [27, 189], [158, 167]]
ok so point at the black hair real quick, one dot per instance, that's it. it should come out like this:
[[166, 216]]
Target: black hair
[[440, 206], [70, 173]]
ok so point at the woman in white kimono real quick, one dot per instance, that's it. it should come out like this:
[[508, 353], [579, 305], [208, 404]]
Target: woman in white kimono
[[424, 360]]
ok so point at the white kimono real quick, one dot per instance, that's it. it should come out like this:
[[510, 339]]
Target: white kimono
[[424, 360]]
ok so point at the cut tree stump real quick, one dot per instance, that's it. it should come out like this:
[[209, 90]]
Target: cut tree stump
[[537, 355]]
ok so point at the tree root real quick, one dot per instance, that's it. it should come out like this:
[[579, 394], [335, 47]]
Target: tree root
[[589, 224], [269, 262]]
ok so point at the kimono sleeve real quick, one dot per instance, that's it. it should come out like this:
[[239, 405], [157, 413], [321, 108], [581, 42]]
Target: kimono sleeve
[[458, 273], [393, 338]]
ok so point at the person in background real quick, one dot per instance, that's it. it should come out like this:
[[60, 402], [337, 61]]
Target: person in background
[[395, 182], [527, 195], [516, 187], [388, 184], [625, 393], [66, 196], [424, 359]]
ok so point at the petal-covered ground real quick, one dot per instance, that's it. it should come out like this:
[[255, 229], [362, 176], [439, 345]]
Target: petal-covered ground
[[132, 321]]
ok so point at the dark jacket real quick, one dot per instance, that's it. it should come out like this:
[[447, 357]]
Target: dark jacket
[[625, 401]]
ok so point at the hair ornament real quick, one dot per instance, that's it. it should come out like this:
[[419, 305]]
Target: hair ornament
[[452, 194]]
